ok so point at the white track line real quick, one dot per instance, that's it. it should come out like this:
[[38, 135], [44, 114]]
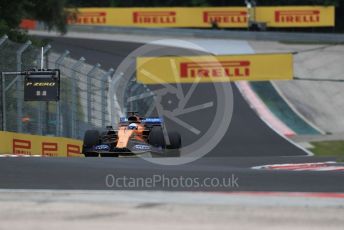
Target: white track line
[[317, 166], [19, 155]]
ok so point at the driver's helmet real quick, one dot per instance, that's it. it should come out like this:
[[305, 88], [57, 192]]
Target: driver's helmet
[[133, 126]]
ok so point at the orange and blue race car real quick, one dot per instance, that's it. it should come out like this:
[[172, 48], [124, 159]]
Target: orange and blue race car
[[135, 135]]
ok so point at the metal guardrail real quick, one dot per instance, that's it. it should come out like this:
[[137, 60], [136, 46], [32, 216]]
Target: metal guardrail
[[218, 34], [84, 93]]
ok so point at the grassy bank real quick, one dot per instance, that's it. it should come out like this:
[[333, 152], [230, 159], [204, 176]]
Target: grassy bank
[[329, 149]]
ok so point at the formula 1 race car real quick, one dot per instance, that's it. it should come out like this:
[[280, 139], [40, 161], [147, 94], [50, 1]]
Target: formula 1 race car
[[135, 135]]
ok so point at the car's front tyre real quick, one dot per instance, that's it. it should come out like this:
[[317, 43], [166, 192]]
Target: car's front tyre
[[91, 138]]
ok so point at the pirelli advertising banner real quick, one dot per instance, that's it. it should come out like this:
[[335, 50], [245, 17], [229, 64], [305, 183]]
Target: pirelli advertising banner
[[198, 17], [297, 16], [188, 69], [26, 144], [163, 17]]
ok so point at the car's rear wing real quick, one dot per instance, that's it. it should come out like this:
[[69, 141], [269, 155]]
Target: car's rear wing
[[152, 120], [148, 120]]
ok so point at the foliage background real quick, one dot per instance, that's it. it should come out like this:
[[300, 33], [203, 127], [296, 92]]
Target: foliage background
[[54, 15]]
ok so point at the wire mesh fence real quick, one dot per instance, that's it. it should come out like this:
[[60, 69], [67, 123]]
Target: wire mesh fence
[[84, 99]]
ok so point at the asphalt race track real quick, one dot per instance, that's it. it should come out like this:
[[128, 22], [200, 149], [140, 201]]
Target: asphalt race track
[[248, 142], [73, 173], [247, 135]]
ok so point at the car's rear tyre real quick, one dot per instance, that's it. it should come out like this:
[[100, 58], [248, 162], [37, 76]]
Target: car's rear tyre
[[109, 155], [175, 140], [91, 138], [156, 137], [91, 154], [167, 153]]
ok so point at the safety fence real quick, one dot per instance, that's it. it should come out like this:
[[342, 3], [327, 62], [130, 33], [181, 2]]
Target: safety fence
[[83, 99]]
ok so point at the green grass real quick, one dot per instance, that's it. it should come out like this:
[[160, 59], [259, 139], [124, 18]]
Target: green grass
[[329, 149], [280, 108]]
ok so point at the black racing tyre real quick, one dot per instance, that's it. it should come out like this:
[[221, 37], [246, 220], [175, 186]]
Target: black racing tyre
[[156, 137], [91, 154], [109, 155], [91, 138], [167, 153], [175, 140]]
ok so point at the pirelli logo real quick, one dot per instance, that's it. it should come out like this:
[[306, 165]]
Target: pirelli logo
[[97, 18], [297, 16], [49, 149], [234, 17], [21, 147], [73, 149], [154, 17], [215, 69]]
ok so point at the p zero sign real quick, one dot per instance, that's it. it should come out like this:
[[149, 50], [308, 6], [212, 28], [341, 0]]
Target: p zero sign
[[42, 85], [257, 67], [297, 16]]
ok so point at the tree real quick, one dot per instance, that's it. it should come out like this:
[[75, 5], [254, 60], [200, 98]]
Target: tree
[[51, 12]]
